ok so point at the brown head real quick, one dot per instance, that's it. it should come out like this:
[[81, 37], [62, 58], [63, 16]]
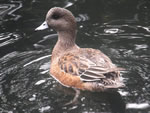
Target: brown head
[[59, 19]]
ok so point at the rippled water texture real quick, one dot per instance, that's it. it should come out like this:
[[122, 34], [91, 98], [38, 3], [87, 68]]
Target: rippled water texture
[[119, 28]]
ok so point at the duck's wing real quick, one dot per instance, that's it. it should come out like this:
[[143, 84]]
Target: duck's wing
[[89, 69]]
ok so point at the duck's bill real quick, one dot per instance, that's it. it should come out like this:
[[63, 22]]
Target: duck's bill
[[43, 26]]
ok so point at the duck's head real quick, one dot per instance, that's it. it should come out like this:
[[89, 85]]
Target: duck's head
[[59, 19]]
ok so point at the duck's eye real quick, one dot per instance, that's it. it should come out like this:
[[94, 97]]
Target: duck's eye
[[55, 16]]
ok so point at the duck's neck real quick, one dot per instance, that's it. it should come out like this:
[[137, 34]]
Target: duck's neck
[[65, 42]]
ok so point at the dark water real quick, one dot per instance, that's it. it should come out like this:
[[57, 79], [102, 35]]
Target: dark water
[[120, 28]]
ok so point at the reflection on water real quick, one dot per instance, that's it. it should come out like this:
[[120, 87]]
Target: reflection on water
[[121, 29], [8, 9]]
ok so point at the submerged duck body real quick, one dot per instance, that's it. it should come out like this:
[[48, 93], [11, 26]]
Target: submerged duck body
[[79, 68]]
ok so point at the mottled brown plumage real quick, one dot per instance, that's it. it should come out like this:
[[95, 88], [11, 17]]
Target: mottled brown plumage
[[89, 66]]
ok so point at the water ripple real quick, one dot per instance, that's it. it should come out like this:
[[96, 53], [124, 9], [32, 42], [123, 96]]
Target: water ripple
[[9, 9], [8, 38], [137, 106], [82, 17], [36, 60]]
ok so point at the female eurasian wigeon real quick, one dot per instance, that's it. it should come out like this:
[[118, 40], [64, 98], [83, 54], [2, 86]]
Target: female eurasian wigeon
[[72, 66]]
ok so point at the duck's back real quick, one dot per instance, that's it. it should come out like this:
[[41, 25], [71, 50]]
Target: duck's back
[[87, 65]]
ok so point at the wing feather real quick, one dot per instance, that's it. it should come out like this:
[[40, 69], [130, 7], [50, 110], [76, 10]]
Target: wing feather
[[87, 69]]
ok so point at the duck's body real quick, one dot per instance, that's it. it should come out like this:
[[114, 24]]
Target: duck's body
[[80, 68], [85, 69]]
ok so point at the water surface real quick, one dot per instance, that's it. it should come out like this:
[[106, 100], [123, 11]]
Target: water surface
[[121, 29]]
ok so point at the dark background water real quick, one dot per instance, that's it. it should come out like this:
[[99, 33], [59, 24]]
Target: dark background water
[[119, 28]]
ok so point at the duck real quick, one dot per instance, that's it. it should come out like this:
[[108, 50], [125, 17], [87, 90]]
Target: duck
[[83, 69]]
